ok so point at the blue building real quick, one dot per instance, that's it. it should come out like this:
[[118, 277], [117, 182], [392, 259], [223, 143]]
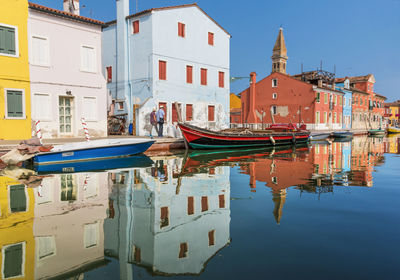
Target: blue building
[[343, 85], [165, 55]]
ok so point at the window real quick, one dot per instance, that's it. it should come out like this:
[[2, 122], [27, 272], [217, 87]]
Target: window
[[334, 117], [181, 29], [162, 70], [340, 100], [164, 217], [221, 79], [274, 180], [274, 82], [88, 59], [120, 105], [344, 101], [68, 187], [89, 108], [190, 207], [91, 235], [274, 110], [109, 74], [325, 117], [274, 95], [326, 98], [13, 260], [317, 118], [189, 74], [91, 189], [335, 99], [211, 38], [221, 200], [135, 26], [17, 198], [317, 99], [204, 203], [183, 250], [8, 40], [175, 113], [211, 113], [40, 51], [203, 76], [15, 104], [211, 238], [41, 101], [189, 112], [46, 246]]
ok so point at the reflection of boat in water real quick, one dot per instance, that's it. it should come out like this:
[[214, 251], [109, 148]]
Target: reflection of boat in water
[[199, 138], [393, 129], [89, 151], [342, 134], [376, 132], [140, 160]]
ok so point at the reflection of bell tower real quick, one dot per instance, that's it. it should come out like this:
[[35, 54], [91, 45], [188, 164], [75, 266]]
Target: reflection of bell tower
[[279, 54], [279, 200]]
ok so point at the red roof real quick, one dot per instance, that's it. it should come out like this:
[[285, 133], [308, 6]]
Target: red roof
[[45, 9]]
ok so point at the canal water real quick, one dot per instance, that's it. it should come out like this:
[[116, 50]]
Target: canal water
[[323, 211]]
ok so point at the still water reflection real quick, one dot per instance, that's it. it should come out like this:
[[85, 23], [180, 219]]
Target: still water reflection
[[324, 211]]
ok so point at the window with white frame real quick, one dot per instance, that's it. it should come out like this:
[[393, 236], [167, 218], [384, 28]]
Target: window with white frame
[[88, 59], [45, 192], [18, 198], [15, 104], [40, 51], [13, 260], [46, 246], [274, 95], [8, 40], [273, 110], [91, 189], [89, 108], [274, 82], [42, 109], [91, 235]]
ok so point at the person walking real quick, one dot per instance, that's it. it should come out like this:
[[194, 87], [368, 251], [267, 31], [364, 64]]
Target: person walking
[[153, 122], [160, 120]]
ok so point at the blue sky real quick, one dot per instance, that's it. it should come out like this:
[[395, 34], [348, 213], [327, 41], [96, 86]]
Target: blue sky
[[358, 36]]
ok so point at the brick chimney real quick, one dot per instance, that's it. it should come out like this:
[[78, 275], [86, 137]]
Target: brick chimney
[[251, 116], [71, 6]]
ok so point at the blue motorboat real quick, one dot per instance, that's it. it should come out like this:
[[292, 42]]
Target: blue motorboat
[[90, 151]]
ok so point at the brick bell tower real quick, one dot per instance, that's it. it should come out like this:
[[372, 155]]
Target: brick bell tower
[[279, 54]]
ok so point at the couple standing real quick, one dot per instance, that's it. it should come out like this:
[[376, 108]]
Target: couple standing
[[157, 118]]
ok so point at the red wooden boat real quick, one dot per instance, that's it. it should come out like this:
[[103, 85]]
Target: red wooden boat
[[199, 138]]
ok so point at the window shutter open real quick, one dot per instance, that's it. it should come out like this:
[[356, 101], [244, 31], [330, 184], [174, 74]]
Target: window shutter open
[[189, 74], [7, 40], [211, 38], [203, 77], [189, 112], [15, 104], [221, 76]]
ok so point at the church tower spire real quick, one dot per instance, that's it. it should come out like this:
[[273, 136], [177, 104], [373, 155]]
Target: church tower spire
[[279, 54]]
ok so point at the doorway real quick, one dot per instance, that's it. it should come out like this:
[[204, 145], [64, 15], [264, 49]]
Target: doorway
[[65, 106]]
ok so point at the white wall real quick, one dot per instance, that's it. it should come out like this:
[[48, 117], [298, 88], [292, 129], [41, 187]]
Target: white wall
[[63, 73]]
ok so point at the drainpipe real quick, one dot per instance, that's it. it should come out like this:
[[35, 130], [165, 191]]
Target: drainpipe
[[251, 116], [129, 69]]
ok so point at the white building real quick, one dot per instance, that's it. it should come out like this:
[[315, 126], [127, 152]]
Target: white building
[[65, 70], [165, 55]]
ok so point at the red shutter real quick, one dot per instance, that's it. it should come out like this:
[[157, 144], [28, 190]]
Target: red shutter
[[181, 29], [135, 27], [221, 76], [211, 38], [174, 112], [211, 110], [162, 70], [203, 77], [189, 74], [189, 112], [164, 104], [109, 74], [190, 208], [164, 217], [211, 238], [221, 198], [204, 203]]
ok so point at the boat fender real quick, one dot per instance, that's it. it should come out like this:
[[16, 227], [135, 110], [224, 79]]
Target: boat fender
[[272, 140]]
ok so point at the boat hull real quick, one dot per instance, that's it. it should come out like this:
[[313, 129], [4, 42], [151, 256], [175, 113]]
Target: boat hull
[[393, 130], [91, 154], [319, 136], [376, 132], [341, 134], [198, 138]]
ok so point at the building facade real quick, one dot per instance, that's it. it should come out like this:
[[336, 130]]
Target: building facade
[[165, 55], [15, 96], [65, 69], [347, 102], [393, 113]]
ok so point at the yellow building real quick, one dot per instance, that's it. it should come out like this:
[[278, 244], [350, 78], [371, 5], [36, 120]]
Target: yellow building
[[17, 243], [15, 96], [235, 108]]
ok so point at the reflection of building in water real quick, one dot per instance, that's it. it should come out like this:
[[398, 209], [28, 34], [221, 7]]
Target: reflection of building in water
[[69, 214], [166, 223], [16, 230], [392, 145], [280, 172]]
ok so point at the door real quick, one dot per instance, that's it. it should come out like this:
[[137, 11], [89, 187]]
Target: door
[[65, 114]]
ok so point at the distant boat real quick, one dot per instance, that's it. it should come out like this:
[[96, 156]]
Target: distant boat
[[90, 151], [199, 138], [319, 136], [393, 129], [342, 134], [376, 132]]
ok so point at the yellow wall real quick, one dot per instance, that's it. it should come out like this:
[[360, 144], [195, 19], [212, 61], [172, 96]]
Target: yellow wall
[[17, 227], [235, 102], [14, 71], [394, 110]]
